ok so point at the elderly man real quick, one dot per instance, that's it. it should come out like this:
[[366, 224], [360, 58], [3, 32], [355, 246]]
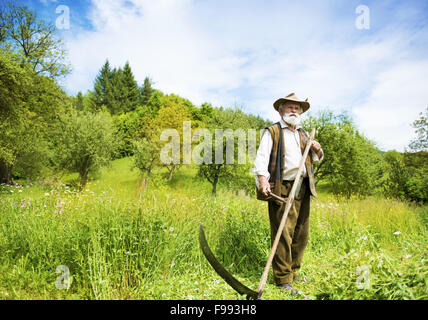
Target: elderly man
[[276, 165]]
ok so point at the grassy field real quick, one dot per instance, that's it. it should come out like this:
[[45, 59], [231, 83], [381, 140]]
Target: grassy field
[[117, 244]]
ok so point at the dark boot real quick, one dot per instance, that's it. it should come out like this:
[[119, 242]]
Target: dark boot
[[288, 287]]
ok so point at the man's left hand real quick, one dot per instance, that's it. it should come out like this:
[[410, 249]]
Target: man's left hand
[[316, 147]]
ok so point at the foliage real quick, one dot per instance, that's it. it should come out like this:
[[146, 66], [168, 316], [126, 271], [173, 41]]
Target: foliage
[[421, 126], [407, 172], [352, 163], [146, 91], [171, 115], [396, 174], [127, 125], [116, 89], [221, 167], [85, 143], [416, 186], [30, 105], [145, 158], [34, 40], [99, 97], [117, 247]]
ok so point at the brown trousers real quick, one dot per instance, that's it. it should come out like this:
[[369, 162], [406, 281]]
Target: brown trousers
[[294, 238]]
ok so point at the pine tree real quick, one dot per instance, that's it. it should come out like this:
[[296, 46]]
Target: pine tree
[[116, 95], [130, 88], [101, 86], [146, 91], [79, 101]]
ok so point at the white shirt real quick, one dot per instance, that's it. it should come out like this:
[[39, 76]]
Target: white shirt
[[292, 154]]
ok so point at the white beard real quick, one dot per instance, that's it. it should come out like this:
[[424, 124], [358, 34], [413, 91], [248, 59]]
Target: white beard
[[294, 121]]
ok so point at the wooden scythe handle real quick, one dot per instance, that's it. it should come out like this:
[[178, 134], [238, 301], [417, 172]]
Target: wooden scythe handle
[[289, 202]]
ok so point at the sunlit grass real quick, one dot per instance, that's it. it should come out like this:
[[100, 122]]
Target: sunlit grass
[[122, 244]]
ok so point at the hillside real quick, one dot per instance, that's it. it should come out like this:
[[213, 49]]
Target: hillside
[[118, 244]]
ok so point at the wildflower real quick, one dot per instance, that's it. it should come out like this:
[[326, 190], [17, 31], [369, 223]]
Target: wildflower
[[23, 205], [171, 229], [396, 233]]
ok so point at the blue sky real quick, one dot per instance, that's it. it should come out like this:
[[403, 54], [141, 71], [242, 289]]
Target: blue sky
[[249, 53]]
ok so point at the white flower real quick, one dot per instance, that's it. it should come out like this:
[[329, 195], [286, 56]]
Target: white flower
[[396, 233], [171, 229]]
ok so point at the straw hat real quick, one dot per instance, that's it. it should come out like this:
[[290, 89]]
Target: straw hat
[[292, 97]]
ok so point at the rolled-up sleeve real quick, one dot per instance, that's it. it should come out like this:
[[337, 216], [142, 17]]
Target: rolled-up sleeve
[[261, 162]]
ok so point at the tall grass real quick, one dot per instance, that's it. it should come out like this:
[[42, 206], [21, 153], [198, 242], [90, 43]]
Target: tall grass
[[120, 245]]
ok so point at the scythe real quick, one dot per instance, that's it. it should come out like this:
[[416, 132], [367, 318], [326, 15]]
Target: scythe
[[222, 272]]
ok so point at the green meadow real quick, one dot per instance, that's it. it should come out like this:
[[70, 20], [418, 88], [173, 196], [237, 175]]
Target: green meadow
[[118, 243]]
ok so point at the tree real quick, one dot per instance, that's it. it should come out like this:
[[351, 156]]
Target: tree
[[223, 164], [79, 102], [416, 187], [146, 91], [34, 40], [421, 126], [3, 24], [396, 173], [146, 150], [116, 89], [99, 97], [416, 162], [132, 93], [13, 82], [171, 116], [29, 109], [146, 154], [154, 103], [148, 147], [351, 161], [116, 92], [85, 143]]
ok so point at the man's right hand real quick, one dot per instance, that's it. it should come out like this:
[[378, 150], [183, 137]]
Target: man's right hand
[[264, 186]]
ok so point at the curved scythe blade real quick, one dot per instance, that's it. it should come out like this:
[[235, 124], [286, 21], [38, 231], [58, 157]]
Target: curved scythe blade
[[221, 271]]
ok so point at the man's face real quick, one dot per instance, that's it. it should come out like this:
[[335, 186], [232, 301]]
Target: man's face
[[290, 113], [290, 107]]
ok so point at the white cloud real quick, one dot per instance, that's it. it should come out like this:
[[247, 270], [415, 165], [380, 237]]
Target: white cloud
[[398, 96], [246, 53]]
